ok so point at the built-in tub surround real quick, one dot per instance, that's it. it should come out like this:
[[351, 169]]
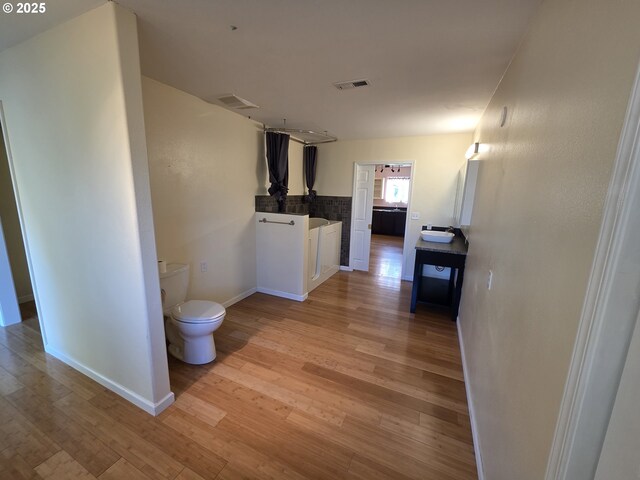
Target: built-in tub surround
[[324, 250], [295, 254], [338, 209], [282, 254], [328, 207]]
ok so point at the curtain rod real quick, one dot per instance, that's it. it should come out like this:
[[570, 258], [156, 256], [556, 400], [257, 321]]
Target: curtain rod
[[329, 138]]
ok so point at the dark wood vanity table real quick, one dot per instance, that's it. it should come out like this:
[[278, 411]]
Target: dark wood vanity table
[[452, 255]]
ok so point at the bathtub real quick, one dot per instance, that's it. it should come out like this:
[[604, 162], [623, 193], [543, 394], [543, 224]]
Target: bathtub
[[295, 253], [324, 250]]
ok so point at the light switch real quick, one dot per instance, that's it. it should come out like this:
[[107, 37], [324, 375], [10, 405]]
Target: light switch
[[415, 215], [489, 279]]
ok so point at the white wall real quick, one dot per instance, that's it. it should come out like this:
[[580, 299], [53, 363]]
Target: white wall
[[297, 185], [537, 213], [73, 113], [12, 233], [437, 160], [206, 166]]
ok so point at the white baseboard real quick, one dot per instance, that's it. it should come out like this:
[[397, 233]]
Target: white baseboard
[[345, 268], [25, 298], [237, 298], [472, 414], [163, 404], [407, 278], [277, 293], [146, 405]]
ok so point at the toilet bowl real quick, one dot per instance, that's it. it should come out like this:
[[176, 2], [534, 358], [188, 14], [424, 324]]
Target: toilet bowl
[[189, 325]]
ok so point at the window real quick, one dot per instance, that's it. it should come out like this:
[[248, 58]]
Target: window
[[396, 190]]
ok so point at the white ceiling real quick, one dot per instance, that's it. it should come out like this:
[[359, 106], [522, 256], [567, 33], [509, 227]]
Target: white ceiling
[[432, 64]]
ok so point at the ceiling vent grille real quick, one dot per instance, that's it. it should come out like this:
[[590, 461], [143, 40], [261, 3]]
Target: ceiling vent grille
[[352, 84], [238, 103]]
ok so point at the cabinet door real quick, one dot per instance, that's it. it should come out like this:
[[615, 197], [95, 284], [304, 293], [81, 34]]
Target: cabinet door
[[387, 224], [399, 224], [376, 223]]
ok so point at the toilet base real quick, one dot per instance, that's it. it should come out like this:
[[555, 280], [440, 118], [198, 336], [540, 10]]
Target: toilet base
[[193, 350]]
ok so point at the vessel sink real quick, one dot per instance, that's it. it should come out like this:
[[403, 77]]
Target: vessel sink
[[435, 236]]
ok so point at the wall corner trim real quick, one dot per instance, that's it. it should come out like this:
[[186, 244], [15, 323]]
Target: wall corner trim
[[599, 352], [472, 413], [139, 401], [163, 404]]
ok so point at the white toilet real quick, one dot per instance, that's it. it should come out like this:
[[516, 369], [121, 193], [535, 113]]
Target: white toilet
[[189, 325]]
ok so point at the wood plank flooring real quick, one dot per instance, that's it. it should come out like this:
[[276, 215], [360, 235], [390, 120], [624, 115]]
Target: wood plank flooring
[[385, 257], [347, 385]]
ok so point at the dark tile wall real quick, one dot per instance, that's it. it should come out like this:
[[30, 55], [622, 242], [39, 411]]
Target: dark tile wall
[[331, 208], [295, 204]]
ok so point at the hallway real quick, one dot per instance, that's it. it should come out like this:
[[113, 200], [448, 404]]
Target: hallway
[[346, 385], [385, 258]]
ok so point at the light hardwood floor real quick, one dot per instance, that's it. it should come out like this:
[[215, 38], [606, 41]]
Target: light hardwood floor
[[385, 258], [347, 385]]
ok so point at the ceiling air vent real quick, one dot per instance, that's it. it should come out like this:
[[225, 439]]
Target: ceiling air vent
[[351, 84], [233, 101]]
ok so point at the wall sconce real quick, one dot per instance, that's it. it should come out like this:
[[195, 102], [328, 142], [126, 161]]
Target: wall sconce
[[472, 151]]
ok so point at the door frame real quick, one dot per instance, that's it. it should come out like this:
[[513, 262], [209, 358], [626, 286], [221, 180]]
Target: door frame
[[609, 315], [412, 164]]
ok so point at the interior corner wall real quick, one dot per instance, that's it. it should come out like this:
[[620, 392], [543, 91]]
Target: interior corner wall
[[537, 214], [69, 96], [206, 166], [436, 162], [12, 232]]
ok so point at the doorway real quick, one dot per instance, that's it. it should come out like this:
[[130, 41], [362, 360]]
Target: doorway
[[16, 295], [381, 197]]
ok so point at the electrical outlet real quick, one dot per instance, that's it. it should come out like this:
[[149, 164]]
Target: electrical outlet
[[203, 267], [490, 280], [415, 215]]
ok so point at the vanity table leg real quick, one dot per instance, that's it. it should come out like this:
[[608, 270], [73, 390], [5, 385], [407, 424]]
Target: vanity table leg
[[417, 277], [458, 295], [450, 291]]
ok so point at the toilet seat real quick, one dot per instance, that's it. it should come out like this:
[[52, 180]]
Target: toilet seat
[[198, 311]]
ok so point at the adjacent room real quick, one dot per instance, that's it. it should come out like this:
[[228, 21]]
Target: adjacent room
[[369, 239]]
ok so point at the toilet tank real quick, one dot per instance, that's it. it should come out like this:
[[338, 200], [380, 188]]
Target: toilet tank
[[174, 282]]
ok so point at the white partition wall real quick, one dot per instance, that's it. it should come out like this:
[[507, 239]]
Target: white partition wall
[[73, 115], [282, 254]]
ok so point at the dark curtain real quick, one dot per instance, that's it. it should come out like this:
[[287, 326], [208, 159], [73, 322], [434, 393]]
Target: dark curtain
[[278, 162], [310, 157]]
